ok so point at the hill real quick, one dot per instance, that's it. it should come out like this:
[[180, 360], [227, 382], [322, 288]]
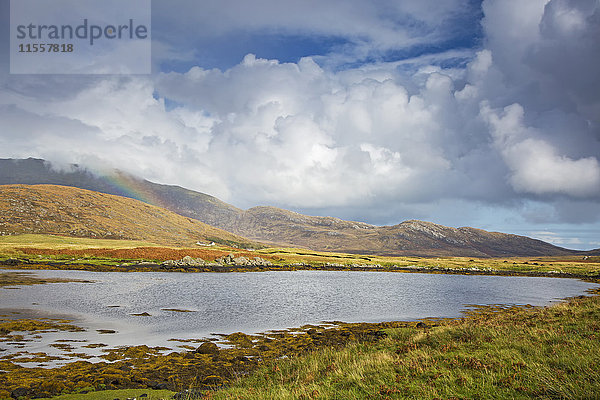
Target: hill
[[189, 203], [60, 210], [283, 227], [413, 237]]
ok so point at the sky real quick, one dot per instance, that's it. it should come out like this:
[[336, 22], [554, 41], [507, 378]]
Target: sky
[[459, 112]]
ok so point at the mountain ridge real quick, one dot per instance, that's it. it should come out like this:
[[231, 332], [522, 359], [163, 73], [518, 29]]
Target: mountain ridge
[[276, 226], [70, 211]]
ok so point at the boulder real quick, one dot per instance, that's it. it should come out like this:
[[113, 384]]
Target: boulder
[[208, 348], [261, 262], [228, 259], [212, 380], [19, 392], [243, 261]]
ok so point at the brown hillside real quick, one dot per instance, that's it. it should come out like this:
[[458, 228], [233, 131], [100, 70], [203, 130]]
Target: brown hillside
[[60, 210], [278, 226], [275, 225]]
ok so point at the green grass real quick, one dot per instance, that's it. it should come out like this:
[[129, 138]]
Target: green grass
[[574, 265], [513, 353], [492, 353], [55, 241], [118, 394]]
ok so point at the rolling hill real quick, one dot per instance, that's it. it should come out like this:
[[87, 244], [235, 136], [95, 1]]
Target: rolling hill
[[282, 227], [412, 237], [61, 210]]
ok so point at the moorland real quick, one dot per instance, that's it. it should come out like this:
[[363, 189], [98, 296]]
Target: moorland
[[491, 352], [510, 352]]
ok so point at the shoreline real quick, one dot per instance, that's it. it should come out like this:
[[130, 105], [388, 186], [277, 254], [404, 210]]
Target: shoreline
[[25, 264], [212, 366]]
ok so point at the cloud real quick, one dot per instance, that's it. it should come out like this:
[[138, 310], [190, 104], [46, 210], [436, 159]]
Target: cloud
[[357, 129], [511, 128], [536, 166], [556, 239], [347, 30]]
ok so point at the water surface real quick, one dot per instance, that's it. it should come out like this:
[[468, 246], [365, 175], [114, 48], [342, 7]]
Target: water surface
[[258, 301]]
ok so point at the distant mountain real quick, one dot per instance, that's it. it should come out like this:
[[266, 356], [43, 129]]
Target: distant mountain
[[69, 211], [281, 227], [408, 238]]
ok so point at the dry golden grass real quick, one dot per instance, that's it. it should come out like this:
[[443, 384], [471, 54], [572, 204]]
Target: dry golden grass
[[140, 253], [60, 210]]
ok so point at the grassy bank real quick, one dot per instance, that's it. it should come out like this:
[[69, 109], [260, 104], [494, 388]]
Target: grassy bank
[[58, 252], [493, 353], [142, 394]]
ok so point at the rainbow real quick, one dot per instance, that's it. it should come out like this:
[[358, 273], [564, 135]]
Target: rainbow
[[128, 186]]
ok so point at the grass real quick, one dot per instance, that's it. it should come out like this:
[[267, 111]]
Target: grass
[[21, 278], [69, 211], [54, 241], [491, 353], [508, 354], [10, 245], [97, 251], [118, 394], [101, 252], [573, 265]]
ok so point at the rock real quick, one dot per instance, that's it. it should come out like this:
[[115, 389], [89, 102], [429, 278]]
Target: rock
[[189, 394], [422, 325], [208, 348], [213, 265], [144, 314], [376, 335], [212, 380], [333, 265], [106, 331], [228, 259], [243, 261], [194, 262], [18, 392], [168, 264], [186, 261], [240, 339], [261, 262], [157, 386]]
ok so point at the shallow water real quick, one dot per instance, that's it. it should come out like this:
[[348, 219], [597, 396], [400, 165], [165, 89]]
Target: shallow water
[[258, 301]]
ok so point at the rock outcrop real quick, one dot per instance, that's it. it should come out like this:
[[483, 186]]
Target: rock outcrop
[[228, 260]]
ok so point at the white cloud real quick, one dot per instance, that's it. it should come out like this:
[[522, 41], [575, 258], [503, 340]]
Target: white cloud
[[363, 28], [408, 134], [536, 165], [556, 239]]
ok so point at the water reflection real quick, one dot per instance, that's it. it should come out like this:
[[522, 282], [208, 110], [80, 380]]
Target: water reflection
[[259, 301]]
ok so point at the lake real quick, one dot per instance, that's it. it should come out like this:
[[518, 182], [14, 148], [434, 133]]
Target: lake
[[258, 301]]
